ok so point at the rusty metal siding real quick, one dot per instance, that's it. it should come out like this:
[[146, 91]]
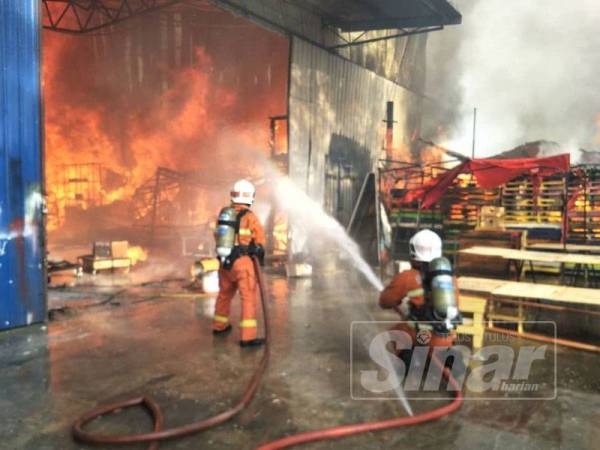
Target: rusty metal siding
[[400, 59], [280, 16], [22, 279], [338, 107]]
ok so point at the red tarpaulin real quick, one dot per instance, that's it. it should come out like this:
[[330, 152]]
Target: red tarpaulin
[[490, 173]]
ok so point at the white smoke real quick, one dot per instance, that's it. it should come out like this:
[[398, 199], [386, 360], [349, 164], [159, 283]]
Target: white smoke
[[308, 219], [532, 69]]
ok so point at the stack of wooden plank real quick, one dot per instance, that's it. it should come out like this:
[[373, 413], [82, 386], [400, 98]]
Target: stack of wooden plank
[[539, 209], [524, 205], [584, 218], [462, 203]]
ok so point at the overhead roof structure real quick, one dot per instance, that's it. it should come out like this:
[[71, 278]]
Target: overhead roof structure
[[82, 16], [368, 15]]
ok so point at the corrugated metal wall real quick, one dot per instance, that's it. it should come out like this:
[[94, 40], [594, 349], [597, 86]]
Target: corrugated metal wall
[[336, 110], [22, 291], [280, 16], [400, 59]]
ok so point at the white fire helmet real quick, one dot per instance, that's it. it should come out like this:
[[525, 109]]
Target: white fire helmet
[[243, 192], [425, 246]]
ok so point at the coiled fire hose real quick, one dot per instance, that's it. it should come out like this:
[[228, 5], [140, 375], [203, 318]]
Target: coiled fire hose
[[152, 407], [158, 434]]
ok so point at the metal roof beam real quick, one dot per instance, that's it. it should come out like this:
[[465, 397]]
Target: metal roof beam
[[402, 33], [391, 23], [418, 14]]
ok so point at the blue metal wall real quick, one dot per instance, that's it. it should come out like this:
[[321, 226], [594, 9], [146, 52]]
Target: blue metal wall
[[22, 279]]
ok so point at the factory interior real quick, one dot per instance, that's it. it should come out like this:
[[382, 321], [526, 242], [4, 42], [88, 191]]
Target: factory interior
[[265, 224]]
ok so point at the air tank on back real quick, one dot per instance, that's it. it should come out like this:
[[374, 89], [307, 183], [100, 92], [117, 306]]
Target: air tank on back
[[443, 294], [225, 233]]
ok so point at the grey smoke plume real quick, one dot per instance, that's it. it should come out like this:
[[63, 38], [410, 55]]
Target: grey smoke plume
[[531, 67]]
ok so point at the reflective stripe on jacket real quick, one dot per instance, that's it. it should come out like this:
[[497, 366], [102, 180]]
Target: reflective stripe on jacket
[[250, 228], [405, 284]]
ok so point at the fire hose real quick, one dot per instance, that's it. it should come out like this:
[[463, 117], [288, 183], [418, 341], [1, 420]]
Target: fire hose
[[158, 434], [152, 407], [348, 430]]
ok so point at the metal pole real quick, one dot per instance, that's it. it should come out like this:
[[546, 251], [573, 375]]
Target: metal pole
[[155, 195], [474, 132], [338, 206]]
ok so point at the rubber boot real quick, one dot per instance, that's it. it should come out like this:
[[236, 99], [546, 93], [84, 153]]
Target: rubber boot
[[456, 365], [225, 330], [406, 357], [252, 342]]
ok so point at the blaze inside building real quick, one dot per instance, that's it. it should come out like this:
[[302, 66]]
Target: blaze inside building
[[147, 124], [243, 218]]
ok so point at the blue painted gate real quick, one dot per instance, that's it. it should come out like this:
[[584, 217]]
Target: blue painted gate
[[22, 254]]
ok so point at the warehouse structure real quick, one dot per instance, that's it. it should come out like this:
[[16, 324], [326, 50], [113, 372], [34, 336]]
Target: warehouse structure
[[128, 124], [350, 67]]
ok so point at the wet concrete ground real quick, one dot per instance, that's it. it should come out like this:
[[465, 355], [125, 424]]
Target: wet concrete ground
[[157, 340]]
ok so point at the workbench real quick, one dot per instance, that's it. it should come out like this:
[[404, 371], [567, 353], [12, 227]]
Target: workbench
[[571, 248], [584, 264], [527, 295], [566, 294]]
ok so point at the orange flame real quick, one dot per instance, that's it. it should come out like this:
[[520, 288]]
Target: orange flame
[[136, 254], [103, 143]]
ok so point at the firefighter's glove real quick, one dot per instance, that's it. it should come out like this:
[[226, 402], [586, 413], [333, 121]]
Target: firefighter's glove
[[259, 252], [404, 307]]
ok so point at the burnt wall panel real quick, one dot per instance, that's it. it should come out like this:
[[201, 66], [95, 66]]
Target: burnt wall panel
[[401, 60], [336, 116], [279, 16], [22, 281]]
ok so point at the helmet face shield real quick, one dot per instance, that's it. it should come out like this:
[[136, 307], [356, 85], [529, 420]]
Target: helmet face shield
[[243, 192], [412, 251], [242, 197], [425, 246]]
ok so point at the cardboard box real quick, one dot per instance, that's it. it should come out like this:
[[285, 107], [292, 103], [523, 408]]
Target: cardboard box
[[119, 249], [491, 218]]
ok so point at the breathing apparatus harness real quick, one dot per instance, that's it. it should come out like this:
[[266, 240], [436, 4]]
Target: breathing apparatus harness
[[228, 231], [440, 312]]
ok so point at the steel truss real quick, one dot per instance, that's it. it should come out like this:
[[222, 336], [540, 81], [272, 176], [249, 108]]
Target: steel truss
[[84, 16], [401, 33]]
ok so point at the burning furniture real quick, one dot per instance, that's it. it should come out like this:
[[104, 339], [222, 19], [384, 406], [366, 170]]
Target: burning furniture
[[73, 186], [173, 201], [107, 256]]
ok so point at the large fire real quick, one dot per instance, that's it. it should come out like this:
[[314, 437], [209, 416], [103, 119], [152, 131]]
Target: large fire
[[114, 118], [136, 254]]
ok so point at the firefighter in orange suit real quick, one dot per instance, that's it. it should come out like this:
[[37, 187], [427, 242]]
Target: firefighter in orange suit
[[237, 269], [406, 293]]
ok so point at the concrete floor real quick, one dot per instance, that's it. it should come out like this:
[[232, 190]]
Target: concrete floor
[[155, 340]]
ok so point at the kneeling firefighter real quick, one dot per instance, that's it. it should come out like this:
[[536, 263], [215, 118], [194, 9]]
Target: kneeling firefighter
[[239, 237], [426, 295]]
